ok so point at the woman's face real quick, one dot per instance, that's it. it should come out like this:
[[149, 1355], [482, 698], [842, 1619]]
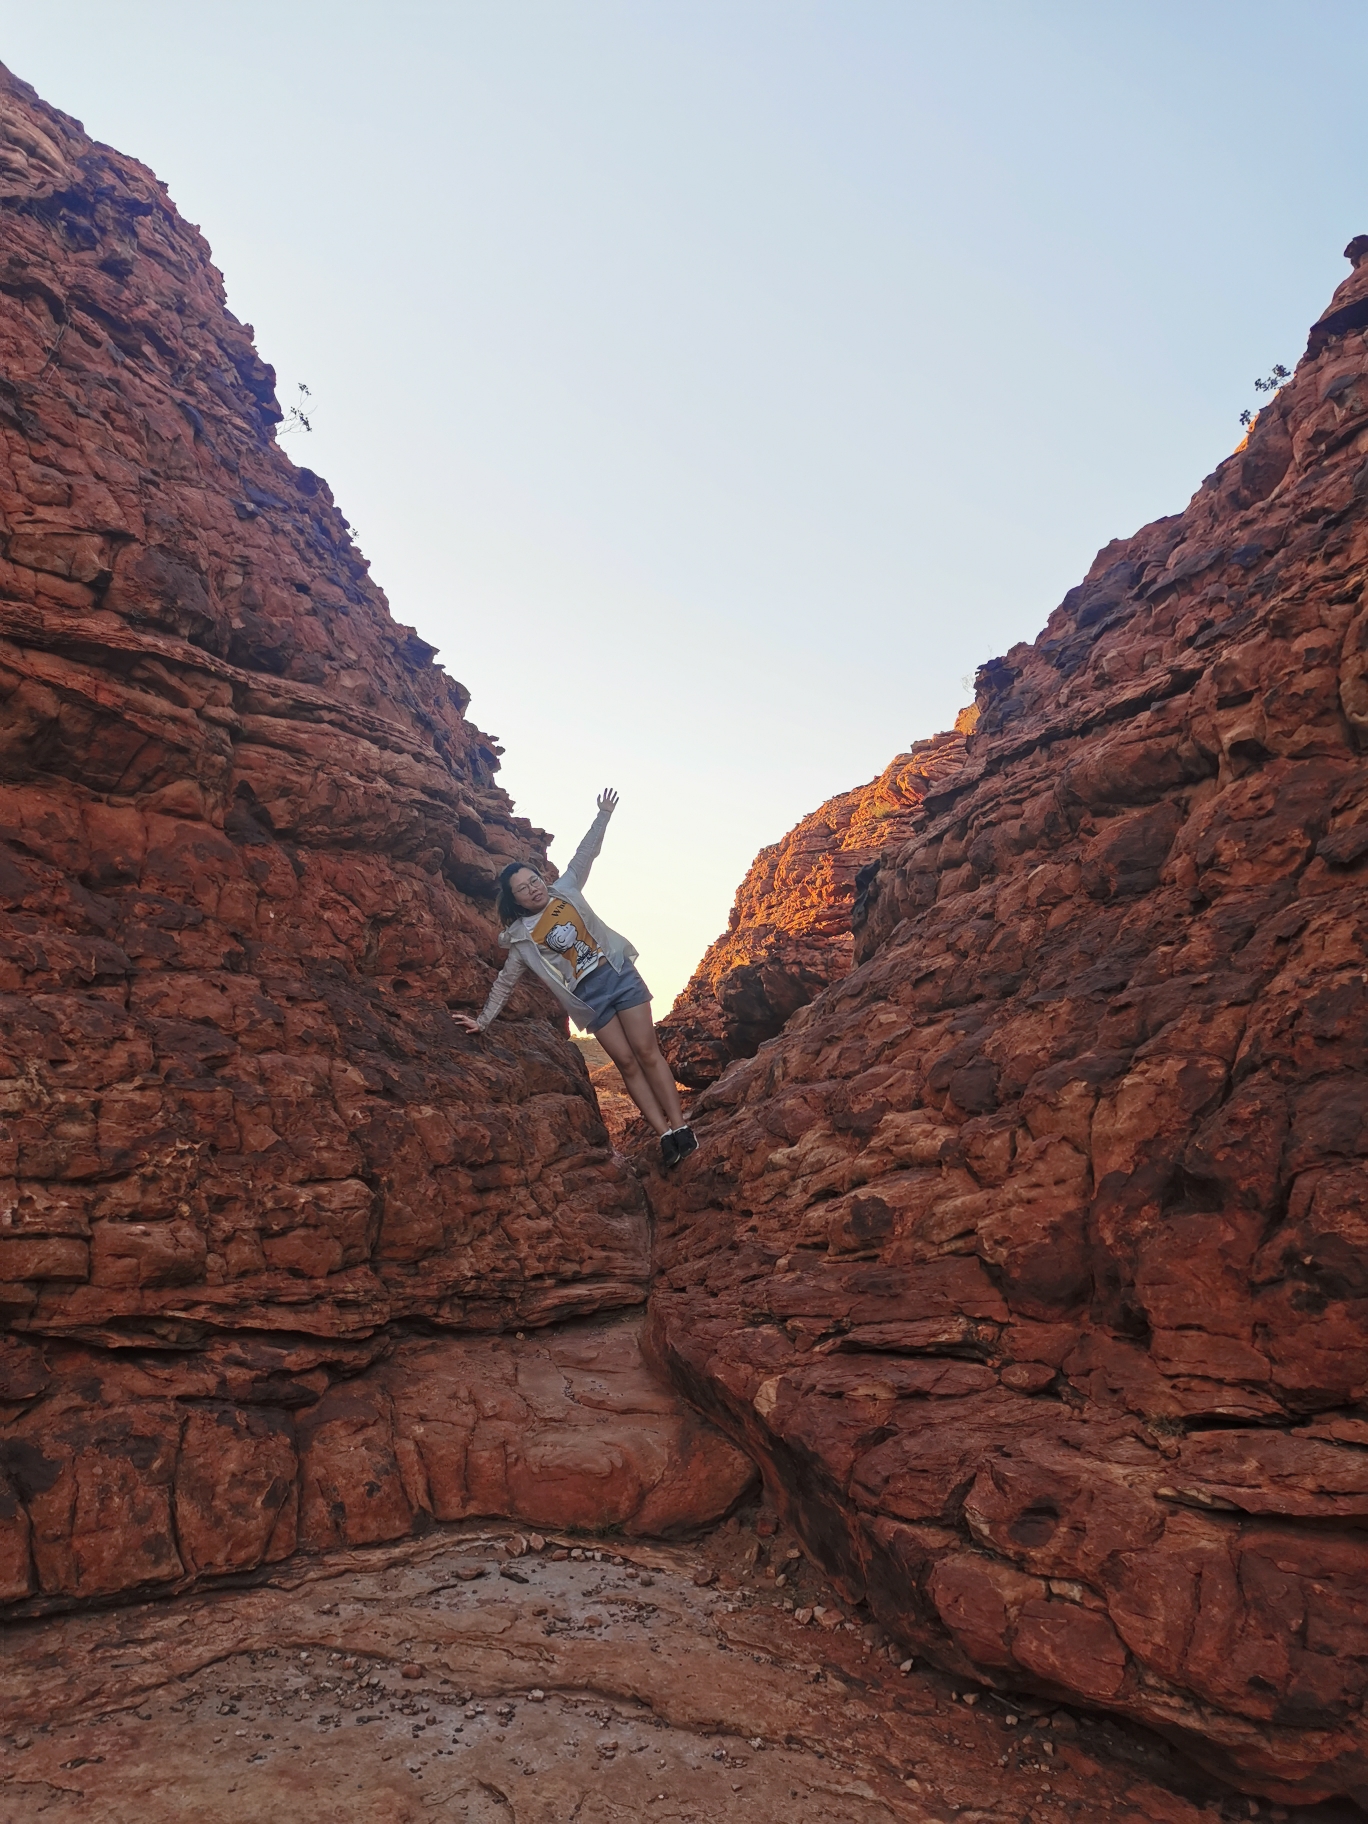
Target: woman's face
[[529, 889]]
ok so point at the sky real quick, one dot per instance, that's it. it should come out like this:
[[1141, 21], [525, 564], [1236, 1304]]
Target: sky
[[717, 383]]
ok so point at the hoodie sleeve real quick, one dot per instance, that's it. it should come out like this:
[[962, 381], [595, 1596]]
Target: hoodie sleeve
[[584, 857], [504, 984]]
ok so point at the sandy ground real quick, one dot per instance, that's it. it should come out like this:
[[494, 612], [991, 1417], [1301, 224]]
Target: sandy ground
[[455, 1678]]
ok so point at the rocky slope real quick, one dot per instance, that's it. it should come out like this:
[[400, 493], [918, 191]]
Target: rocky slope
[[1029, 1260], [789, 934], [467, 1676], [247, 845]]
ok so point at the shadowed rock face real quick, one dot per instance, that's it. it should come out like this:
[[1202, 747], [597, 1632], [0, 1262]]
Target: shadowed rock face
[[1030, 1258], [789, 934], [248, 842]]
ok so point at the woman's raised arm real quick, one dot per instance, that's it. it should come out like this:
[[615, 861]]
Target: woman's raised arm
[[577, 870]]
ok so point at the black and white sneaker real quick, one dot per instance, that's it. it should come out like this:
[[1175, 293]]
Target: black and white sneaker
[[668, 1155], [682, 1141]]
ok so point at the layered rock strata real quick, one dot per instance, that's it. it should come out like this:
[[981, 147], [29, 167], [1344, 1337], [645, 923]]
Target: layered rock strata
[[248, 841], [141, 1468], [464, 1676], [1029, 1259], [789, 934]]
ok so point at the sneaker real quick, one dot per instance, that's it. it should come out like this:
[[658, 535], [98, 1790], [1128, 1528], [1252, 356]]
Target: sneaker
[[669, 1156], [685, 1142]]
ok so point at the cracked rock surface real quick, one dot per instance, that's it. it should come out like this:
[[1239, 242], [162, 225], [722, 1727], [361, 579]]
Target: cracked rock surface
[[446, 1677], [789, 932], [248, 841], [140, 1469], [1029, 1259], [1026, 1259]]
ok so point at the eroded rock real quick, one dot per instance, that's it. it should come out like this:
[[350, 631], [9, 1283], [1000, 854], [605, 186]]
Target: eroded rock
[[400, 1681], [789, 934], [247, 852], [1028, 1259], [137, 1470], [248, 841]]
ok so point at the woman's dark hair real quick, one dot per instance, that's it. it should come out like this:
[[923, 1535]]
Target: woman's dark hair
[[509, 909]]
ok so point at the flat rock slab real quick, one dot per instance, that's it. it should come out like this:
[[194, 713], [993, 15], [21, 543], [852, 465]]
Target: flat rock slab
[[446, 1678]]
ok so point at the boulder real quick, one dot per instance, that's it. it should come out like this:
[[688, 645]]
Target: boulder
[[134, 1470]]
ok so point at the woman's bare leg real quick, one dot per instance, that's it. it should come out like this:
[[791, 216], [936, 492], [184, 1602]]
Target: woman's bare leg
[[639, 1027], [621, 1050]]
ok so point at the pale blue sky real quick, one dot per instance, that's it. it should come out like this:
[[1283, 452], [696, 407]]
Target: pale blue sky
[[717, 382]]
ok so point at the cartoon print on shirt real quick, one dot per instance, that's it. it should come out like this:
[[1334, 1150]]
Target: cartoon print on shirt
[[564, 938], [561, 931]]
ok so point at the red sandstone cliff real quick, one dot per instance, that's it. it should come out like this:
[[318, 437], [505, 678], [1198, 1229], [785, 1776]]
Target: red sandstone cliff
[[1029, 1260], [247, 847], [790, 930]]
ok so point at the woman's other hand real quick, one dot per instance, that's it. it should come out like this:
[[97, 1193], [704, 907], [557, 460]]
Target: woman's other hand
[[465, 1019], [607, 799]]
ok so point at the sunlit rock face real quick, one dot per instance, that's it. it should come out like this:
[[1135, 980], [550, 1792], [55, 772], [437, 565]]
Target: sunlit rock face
[[1029, 1259], [790, 931], [248, 842]]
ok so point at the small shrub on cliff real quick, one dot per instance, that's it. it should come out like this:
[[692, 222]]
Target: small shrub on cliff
[[298, 417], [1278, 378]]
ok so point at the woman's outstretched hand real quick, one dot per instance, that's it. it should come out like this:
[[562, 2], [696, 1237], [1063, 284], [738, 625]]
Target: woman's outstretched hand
[[607, 799], [464, 1019]]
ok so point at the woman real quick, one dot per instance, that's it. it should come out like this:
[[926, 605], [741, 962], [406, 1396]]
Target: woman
[[552, 931]]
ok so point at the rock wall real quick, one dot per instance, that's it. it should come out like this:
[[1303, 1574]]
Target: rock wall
[[1029, 1260], [248, 841], [139, 1468], [790, 930]]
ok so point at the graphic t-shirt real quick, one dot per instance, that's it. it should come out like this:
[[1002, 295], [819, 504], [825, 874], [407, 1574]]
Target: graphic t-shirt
[[561, 932]]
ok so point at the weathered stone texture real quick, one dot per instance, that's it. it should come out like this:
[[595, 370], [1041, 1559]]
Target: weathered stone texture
[[789, 934], [467, 1677], [134, 1467], [1029, 1259], [248, 841]]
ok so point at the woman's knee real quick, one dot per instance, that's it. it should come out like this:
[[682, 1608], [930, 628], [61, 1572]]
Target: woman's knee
[[641, 1036]]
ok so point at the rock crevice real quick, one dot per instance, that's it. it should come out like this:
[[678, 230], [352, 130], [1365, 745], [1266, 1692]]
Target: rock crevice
[[1023, 1249]]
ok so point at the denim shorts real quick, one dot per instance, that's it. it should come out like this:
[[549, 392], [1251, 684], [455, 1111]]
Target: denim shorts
[[609, 992]]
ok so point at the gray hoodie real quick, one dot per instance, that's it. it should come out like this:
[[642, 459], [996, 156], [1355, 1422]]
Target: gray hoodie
[[525, 953]]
